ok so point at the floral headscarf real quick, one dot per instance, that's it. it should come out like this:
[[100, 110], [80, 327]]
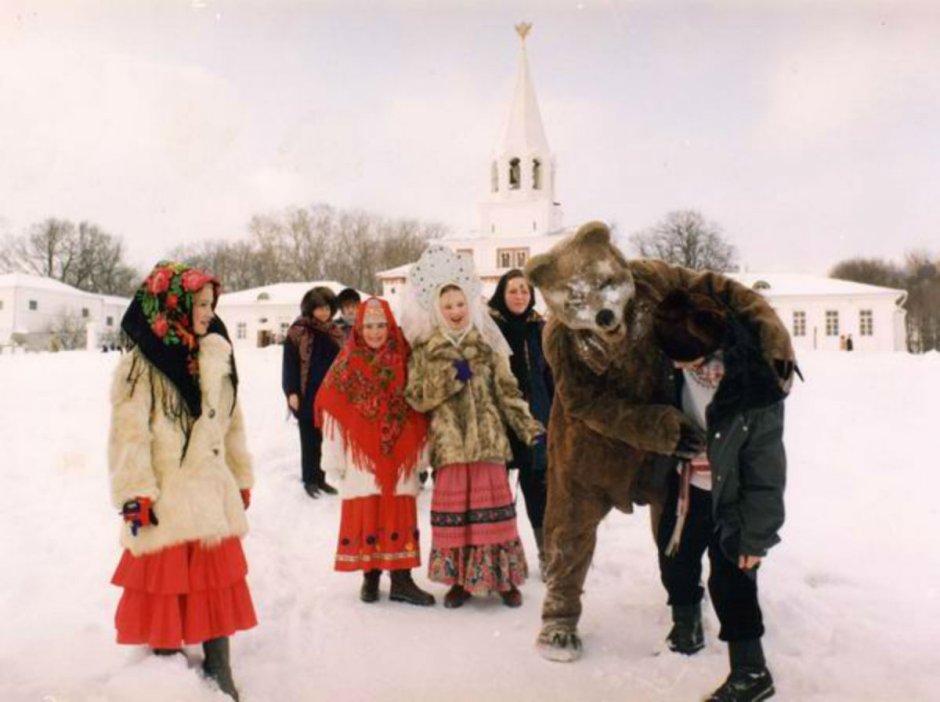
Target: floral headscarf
[[364, 395], [159, 322]]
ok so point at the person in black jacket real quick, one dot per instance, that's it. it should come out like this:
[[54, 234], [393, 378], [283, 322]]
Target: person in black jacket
[[727, 495], [312, 342], [512, 308]]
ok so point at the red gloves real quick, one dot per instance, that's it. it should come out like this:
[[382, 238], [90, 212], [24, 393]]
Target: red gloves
[[139, 512], [246, 497]]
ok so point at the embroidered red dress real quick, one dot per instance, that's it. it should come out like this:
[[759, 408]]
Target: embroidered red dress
[[373, 443]]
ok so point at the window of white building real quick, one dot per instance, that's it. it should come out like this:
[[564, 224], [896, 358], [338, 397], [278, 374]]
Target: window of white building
[[866, 323], [109, 321], [33, 305], [494, 177], [536, 174], [511, 258], [1, 304], [832, 323], [241, 330], [514, 176], [85, 312], [799, 323]]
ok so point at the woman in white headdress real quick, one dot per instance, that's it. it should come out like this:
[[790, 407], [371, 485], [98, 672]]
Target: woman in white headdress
[[459, 374]]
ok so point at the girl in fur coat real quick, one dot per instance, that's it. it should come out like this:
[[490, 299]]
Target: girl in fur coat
[[180, 473], [456, 375], [373, 445]]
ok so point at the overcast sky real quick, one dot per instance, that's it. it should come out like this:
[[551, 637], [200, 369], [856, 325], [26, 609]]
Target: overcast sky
[[810, 131]]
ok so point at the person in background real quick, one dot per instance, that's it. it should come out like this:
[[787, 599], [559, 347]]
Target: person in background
[[180, 474], [373, 445], [312, 342], [727, 498], [512, 307], [348, 301], [466, 386]]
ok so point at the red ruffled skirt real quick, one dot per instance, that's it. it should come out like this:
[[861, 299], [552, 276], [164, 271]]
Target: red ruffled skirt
[[371, 537], [183, 594]]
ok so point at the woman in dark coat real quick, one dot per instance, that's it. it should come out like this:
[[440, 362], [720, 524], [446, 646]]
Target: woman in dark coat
[[312, 342], [512, 308]]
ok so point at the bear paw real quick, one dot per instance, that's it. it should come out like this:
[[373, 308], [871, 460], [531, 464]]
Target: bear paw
[[559, 643]]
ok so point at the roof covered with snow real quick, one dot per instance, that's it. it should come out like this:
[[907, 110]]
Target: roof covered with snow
[[277, 293], [37, 282], [802, 284]]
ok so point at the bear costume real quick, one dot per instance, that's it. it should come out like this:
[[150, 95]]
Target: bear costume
[[614, 428]]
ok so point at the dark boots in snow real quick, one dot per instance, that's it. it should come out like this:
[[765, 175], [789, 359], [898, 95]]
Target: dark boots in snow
[[404, 589], [217, 665], [456, 597], [511, 597], [686, 635], [749, 681], [370, 586]]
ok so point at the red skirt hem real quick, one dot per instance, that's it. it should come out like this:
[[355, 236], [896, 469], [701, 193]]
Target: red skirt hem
[[183, 594], [375, 535]]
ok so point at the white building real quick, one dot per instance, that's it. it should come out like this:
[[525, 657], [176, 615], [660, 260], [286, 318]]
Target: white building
[[519, 217], [31, 307], [261, 316], [819, 311]]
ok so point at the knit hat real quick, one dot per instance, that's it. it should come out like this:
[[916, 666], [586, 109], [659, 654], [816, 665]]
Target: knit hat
[[688, 326]]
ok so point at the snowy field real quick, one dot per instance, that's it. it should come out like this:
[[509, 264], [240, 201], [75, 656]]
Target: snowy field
[[851, 597]]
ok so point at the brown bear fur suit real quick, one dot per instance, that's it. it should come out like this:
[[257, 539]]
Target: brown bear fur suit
[[612, 419]]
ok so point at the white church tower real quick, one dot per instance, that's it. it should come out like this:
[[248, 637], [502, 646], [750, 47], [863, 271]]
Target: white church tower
[[519, 216]]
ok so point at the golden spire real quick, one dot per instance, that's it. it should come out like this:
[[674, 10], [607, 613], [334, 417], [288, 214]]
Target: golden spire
[[522, 29]]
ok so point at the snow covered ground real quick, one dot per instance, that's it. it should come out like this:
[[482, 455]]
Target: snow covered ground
[[851, 597]]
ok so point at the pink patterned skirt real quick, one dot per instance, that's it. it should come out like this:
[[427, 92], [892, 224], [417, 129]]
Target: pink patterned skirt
[[474, 539]]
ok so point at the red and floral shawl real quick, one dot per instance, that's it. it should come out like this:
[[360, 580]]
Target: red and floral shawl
[[364, 393]]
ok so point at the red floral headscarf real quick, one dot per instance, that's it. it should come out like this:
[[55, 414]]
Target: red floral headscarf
[[364, 395]]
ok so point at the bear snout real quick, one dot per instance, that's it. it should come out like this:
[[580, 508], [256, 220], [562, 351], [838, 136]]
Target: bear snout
[[605, 318]]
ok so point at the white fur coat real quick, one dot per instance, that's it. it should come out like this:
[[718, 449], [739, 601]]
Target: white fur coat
[[199, 497]]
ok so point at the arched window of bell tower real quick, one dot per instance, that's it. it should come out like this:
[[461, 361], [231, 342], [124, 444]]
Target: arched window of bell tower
[[515, 179], [494, 177], [536, 174]]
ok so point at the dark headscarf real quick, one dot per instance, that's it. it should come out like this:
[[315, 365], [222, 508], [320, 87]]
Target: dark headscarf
[[159, 323], [515, 327]]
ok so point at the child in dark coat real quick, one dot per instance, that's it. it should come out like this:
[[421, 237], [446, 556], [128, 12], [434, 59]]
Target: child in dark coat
[[313, 342], [727, 495]]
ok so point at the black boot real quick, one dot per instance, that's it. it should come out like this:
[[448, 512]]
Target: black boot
[[324, 486], [370, 586], [404, 589], [168, 651], [217, 665], [312, 489], [686, 636], [749, 681]]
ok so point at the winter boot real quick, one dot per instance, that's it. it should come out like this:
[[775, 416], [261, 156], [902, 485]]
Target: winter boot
[[312, 490], [540, 544], [749, 680], [686, 635], [217, 665], [168, 652], [456, 597], [404, 589], [511, 597], [324, 486], [370, 586]]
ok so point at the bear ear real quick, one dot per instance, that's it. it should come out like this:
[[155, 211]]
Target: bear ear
[[593, 233], [538, 268]]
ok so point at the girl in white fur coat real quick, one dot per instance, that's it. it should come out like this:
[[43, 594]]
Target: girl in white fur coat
[[180, 474]]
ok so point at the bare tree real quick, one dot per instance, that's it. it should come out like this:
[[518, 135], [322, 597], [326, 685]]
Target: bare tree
[[85, 256], [685, 238], [873, 271]]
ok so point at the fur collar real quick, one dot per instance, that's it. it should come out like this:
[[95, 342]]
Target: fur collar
[[215, 364]]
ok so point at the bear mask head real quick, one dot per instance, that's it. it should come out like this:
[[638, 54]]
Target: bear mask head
[[585, 281]]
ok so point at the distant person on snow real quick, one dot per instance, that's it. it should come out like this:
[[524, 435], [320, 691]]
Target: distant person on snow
[[180, 474], [727, 495], [348, 301], [373, 446], [312, 342]]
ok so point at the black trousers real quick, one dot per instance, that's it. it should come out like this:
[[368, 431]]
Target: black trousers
[[311, 441], [535, 492], [733, 591]]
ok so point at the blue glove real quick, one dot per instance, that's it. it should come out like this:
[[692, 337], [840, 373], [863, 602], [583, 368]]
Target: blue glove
[[540, 441], [463, 370]]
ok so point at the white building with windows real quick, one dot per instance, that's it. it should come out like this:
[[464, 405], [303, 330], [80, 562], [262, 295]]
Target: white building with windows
[[261, 316], [821, 311], [519, 216], [32, 306]]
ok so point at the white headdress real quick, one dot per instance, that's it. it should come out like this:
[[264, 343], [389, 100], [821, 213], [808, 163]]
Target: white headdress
[[437, 267]]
